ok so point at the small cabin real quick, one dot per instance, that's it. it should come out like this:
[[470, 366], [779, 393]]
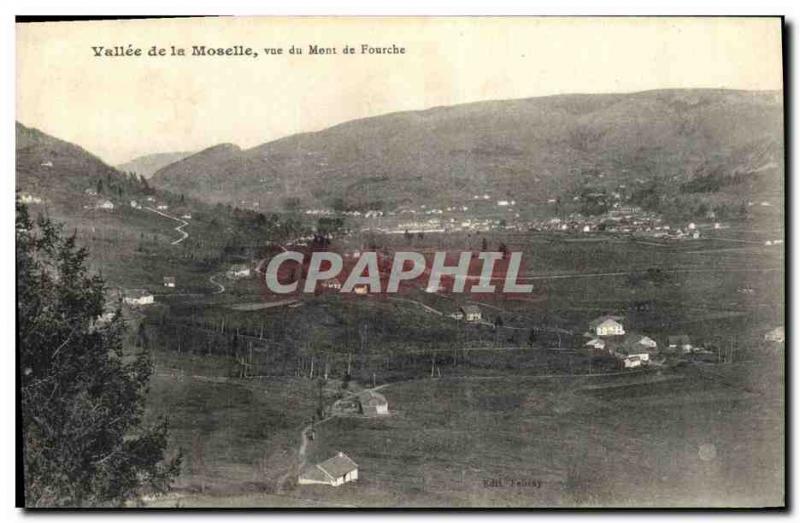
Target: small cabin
[[137, 297], [776, 335], [472, 313], [373, 404], [680, 341], [169, 281]]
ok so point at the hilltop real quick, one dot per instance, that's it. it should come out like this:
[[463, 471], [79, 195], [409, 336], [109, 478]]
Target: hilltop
[[694, 145], [148, 164]]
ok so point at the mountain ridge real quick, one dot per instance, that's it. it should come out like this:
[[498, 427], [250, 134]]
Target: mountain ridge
[[533, 149]]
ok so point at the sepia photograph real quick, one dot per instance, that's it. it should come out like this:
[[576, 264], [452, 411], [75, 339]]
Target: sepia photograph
[[455, 262]]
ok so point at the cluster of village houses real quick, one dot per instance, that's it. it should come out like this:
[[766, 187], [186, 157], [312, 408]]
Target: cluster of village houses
[[632, 350], [619, 219], [140, 297], [607, 335], [108, 205]]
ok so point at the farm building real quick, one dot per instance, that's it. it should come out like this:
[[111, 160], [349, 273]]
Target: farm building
[[335, 471], [137, 297], [607, 326], [472, 313], [632, 361], [236, 272], [162, 207], [373, 404], [777, 335], [680, 341], [169, 281], [645, 342], [29, 198], [105, 204], [634, 345], [332, 283], [135, 204], [596, 343]]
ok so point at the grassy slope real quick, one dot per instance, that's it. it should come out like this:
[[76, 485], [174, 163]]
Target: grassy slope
[[131, 247]]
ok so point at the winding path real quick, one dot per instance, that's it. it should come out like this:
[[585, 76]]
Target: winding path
[[179, 228], [220, 287]]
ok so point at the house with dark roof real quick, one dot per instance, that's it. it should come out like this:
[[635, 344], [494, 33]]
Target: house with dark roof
[[633, 351], [334, 472]]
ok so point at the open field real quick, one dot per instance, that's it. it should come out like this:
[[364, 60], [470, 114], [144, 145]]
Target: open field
[[699, 435], [626, 441], [236, 435]]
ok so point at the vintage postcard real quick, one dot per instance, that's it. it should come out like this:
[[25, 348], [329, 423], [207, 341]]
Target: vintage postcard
[[445, 262]]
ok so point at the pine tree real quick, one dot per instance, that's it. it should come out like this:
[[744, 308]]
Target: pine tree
[[82, 396]]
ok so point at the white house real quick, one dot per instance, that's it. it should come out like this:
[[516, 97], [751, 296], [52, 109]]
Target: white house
[[472, 313], [607, 326], [137, 297], [135, 204], [105, 204], [162, 207], [334, 472]]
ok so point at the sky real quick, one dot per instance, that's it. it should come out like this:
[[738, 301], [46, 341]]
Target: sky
[[122, 107]]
